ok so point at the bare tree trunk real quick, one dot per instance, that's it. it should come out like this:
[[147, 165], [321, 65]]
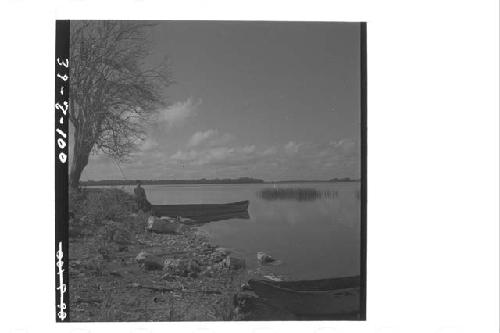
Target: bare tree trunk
[[81, 152]]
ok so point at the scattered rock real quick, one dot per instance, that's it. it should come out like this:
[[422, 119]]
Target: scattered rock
[[115, 273], [185, 220], [243, 302], [163, 226], [219, 254], [157, 299], [166, 218], [206, 247], [208, 272], [264, 258], [223, 250], [149, 261], [245, 287], [168, 277], [122, 248], [234, 263], [273, 277], [122, 237], [104, 251], [201, 233], [171, 264], [182, 267]]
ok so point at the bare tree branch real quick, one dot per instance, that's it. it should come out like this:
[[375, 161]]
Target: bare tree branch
[[111, 92]]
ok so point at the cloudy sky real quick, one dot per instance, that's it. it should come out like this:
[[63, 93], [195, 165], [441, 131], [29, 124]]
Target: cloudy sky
[[266, 100]]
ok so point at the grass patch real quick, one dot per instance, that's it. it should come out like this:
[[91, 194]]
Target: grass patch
[[90, 208]]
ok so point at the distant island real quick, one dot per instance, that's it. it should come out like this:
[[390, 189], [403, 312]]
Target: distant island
[[241, 180], [333, 180]]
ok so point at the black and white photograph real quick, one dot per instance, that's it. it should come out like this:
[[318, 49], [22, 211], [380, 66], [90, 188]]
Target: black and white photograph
[[215, 171], [250, 166]]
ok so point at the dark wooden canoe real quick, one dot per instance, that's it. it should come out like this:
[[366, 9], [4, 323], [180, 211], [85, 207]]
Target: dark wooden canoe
[[326, 297], [201, 213]]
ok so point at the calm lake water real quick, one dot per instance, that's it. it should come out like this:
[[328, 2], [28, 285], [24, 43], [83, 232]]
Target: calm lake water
[[311, 239]]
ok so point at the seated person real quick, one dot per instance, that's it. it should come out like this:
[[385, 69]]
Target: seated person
[[141, 199]]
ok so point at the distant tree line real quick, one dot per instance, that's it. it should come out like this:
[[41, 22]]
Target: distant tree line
[[334, 180], [241, 180], [345, 179]]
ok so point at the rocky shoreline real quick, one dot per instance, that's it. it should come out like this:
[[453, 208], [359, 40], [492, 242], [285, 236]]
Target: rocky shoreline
[[129, 266], [122, 272]]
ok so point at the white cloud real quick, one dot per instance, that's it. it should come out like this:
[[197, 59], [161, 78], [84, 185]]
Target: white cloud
[[217, 155], [209, 138], [176, 114], [269, 151], [292, 155], [344, 146], [292, 147]]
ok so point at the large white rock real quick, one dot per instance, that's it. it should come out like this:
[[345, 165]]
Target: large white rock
[[163, 225], [264, 258], [149, 261]]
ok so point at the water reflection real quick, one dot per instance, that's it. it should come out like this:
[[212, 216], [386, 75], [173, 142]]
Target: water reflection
[[297, 194], [243, 215]]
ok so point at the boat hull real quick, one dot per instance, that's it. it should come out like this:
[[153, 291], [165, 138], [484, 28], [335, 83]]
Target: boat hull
[[311, 298], [204, 212]]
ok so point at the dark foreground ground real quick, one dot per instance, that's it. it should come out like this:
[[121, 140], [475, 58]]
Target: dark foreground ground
[[108, 284]]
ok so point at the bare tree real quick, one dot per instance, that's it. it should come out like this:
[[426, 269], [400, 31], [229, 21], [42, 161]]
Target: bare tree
[[112, 92]]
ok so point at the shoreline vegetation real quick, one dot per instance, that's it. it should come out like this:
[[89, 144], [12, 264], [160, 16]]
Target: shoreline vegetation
[[241, 180], [121, 271], [297, 193]]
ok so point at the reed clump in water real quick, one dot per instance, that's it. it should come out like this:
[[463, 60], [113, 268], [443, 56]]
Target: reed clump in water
[[296, 193]]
